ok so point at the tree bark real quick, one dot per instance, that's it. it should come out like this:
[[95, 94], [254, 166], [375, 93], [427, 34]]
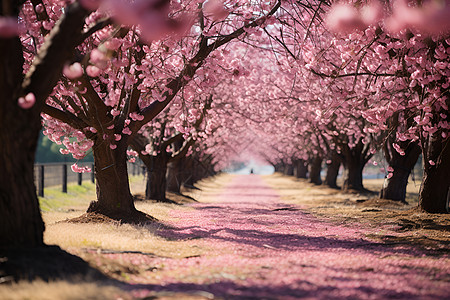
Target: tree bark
[[354, 160], [300, 169], [333, 170], [394, 188], [353, 178], [21, 223], [289, 170], [114, 197], [156, 179], [174, 176], [434, 195], [314, 170]]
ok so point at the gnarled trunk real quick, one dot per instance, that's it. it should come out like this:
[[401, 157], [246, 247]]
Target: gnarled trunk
[[353, 174], [21, 223], [354, 160], [315, 168], [289, 170], [434, 194], [174, 176], [156, 179], [394, 188], [300, 168], [114, 197], [333, 170]]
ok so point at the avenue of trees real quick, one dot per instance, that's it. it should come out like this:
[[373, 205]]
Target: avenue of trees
[[190, 86]]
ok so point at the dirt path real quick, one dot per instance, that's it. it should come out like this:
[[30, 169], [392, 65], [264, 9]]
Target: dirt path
[[254, 246]]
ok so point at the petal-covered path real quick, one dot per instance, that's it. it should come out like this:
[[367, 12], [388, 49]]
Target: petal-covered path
[[258, 247]]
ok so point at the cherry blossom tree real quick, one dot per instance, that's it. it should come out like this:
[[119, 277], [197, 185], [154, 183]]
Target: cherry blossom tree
[[412, 49], [25, 86], [121, 80], [162, 144]]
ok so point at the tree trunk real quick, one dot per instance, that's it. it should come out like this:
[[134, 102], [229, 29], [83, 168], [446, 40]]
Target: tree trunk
[[353, 178], [333, 170], [114, 197], [314, 170], [174, 176], [191, 169], [21, 223], [300, 168], [354, 160], [156, 180], [279, 167], [394, 188], [289, 170], [434, 195]]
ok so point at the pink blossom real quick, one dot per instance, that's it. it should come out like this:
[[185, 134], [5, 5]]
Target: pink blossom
[[27, 101], [215, 10], [398, 149], [73, 71], [432, 163], [93, 71], [112, 146], [77, 169], [126, 131], [389, 175], [117, 137], [344, 17], [132, 153], [39, 8], [64, 151]]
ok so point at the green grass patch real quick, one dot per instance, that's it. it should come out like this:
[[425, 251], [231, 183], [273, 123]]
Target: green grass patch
[[77, 195]]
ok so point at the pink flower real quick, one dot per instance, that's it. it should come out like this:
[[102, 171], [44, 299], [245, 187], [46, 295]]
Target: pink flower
[[93, 71], [73, 71], [389, 175], [343, 18], [126, 131], [432, 163], [77, 169], [27, 101], [117, 137], [112, 146], [215, 10], [150, 15], [64, 151]]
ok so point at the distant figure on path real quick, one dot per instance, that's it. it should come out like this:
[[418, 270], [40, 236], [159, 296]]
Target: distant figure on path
[[251, 171]]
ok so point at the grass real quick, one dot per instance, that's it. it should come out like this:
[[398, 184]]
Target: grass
[[78, 195], [57, 207], [55, 199]]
